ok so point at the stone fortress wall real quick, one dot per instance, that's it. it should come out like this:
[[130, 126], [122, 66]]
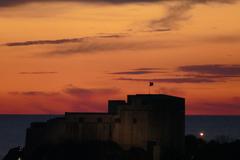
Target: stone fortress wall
[[148, 121]]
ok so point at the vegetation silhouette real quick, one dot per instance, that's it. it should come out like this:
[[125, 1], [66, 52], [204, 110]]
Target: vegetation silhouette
[[14, 154], [93, 150], [196, 149]]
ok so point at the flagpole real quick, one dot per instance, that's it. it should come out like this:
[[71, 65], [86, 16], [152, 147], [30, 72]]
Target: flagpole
[[150, 85], [149, 89]]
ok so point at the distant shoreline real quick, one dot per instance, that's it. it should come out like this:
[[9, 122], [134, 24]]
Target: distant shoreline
[[104, 112]]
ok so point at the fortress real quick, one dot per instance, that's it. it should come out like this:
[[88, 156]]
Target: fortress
[[148, 121]]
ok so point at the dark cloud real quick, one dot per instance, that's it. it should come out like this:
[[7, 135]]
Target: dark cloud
[[37, 73], [20, 2], [8, 2], [133, 72], [213, 1], [59, 41], [177, 12], [209, 76], [210, 73], [174, 15], [159, 30], [139, 71], [34, 93], [148, 69], [111, 36], [218, 70], [92, 46], [44, 42], [171, 80]]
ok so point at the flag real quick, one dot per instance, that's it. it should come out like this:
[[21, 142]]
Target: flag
[[151, 84]]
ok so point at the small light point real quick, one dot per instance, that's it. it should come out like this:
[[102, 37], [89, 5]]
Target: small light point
[[202, 134]]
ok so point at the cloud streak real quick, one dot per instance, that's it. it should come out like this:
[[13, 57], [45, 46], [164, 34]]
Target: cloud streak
[[17, 2], [37, 73], [34, 93], [83, 92], [59, 41], [132, 72], [176, 10], [44, 42], [139, 71], [206, 73], [20, 2], [99, 46], [219, 70], [180, 80]]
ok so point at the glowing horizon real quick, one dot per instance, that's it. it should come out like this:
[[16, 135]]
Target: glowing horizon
[[64, 56]]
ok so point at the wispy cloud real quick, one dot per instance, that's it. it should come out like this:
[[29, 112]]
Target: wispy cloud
[[177, 11], [206, 73], [132, 72], [139, 71], [223, 70], [92, 46], [170, 80], [157, 29], [20, 2], [60, 41], [175, 14], [74, 91], [37, 73], [44, 42], [83, 92], [34, 93], [148, 69]]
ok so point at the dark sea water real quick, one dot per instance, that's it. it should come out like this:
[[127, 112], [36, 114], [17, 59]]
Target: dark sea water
[[13, 127]]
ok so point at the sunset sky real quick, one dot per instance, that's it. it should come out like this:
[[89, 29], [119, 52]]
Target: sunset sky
[[74, 55]]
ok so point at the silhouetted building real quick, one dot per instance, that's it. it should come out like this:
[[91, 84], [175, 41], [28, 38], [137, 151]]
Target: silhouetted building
[[154, 122]]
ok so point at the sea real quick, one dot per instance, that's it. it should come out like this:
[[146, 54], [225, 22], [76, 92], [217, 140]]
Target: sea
[[13, 128]]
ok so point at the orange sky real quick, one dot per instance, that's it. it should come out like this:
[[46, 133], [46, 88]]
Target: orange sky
[[57, 57]]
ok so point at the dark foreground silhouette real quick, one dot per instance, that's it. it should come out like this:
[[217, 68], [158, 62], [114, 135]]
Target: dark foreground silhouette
[[221, 149], [80, 151], [196, 149]]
